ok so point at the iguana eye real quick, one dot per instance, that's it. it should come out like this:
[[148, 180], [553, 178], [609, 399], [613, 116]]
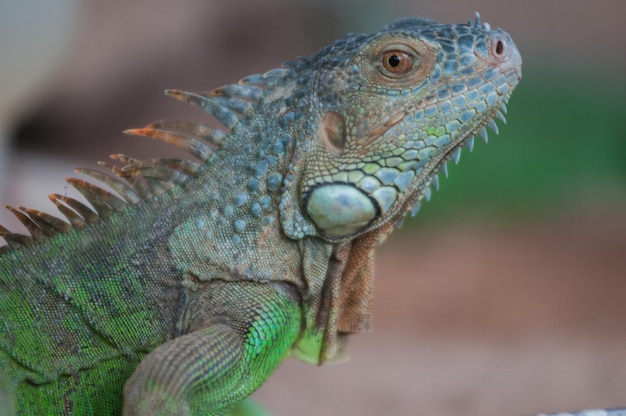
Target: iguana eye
[[397, 62]]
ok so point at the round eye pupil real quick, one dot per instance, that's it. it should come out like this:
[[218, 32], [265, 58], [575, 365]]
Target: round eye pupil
[[397, 62], [394, 61]]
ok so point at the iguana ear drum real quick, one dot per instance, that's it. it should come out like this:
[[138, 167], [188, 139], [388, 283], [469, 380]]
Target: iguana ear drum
[[339, 210], [333, 132]]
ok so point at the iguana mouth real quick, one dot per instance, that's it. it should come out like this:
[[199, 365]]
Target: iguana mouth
[[454, 149]]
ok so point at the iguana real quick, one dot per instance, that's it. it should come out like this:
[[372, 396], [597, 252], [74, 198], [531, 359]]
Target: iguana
[[185, 283]]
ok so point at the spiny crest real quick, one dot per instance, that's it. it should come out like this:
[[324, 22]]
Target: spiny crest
[[136, 180]]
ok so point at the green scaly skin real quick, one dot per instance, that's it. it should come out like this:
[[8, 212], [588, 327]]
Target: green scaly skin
[[182, 293]]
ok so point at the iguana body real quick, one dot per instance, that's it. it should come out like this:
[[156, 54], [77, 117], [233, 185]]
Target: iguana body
[[183, 294]]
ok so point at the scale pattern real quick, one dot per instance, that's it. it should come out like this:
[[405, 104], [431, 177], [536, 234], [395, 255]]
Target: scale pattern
[[181, 285]]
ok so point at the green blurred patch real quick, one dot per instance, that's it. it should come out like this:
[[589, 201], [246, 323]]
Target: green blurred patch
[[564, 143]]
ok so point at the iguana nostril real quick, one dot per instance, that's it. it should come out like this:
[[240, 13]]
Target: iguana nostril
[[499, 49]]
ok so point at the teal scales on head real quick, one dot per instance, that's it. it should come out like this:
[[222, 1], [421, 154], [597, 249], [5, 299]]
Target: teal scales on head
[[184, 289]]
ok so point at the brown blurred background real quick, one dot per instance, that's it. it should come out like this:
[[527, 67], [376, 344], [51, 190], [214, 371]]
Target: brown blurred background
[[504, 296]]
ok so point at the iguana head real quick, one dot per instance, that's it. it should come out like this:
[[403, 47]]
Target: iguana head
[[394, 107], [345, 142]]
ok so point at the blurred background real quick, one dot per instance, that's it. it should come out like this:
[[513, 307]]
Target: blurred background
[[506, 295]]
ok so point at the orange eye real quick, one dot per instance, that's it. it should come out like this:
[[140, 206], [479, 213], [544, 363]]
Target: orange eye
[[397, 62]]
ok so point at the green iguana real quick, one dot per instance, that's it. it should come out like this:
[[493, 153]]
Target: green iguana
[[181, 288]]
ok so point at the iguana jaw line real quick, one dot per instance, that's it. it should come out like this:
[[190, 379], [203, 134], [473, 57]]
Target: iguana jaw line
[[421, 187]]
